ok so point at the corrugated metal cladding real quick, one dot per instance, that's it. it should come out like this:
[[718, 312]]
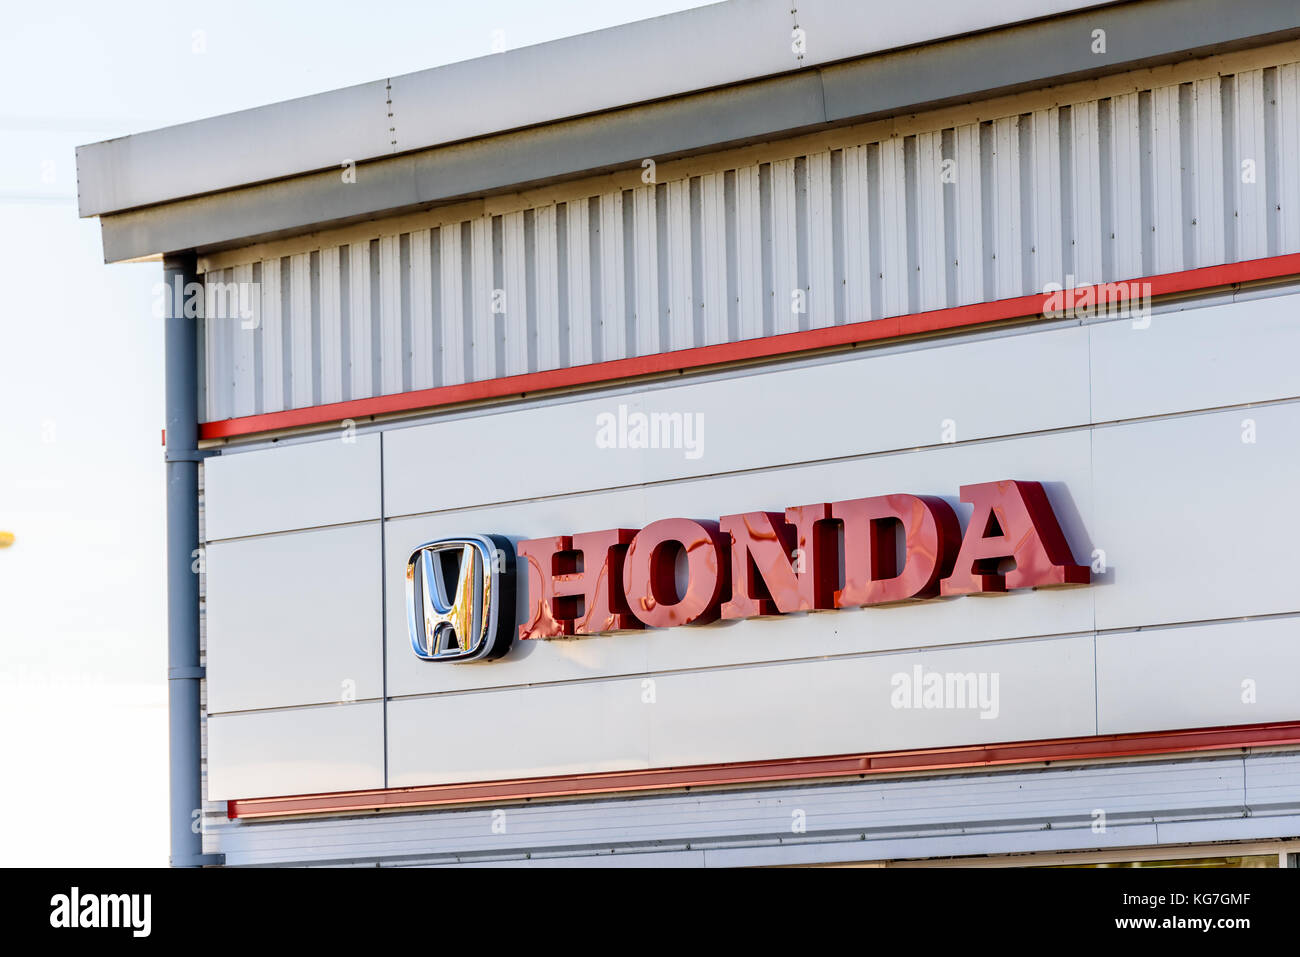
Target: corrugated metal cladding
[[1171, 178]]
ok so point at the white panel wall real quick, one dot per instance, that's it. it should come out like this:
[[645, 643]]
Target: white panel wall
[[752, 421], [737, 714], [336, 747], [1167, 449], [325, 482], [1195, 521], [1219, 355], [1239, 672], [294, 619]]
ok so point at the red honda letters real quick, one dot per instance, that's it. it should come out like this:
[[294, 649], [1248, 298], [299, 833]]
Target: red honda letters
[[895, 548]]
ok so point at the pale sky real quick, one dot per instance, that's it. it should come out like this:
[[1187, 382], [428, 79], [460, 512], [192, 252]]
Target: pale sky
[[83, 729]]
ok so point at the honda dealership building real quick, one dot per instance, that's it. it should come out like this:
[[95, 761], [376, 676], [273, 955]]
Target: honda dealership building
[[774, 433]]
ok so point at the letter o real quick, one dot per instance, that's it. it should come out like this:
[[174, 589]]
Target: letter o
[[649, 573]]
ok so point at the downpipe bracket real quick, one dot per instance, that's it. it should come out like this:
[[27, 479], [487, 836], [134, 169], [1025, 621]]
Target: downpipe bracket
[[189, 455]]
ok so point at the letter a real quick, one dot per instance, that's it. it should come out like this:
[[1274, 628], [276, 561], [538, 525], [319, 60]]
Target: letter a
[[1011, 520]]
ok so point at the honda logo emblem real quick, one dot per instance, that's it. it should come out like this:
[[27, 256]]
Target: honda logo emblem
[[460, 598]]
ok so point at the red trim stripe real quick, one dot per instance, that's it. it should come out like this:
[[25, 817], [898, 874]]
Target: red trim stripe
[[876, 330], [793, 769]]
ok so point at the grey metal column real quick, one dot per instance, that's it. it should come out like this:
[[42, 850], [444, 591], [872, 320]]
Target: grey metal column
[[183, 671]]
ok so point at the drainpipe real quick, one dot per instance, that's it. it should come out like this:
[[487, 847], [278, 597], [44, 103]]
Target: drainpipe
[[183, 671]]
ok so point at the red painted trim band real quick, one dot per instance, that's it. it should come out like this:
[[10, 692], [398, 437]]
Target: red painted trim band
[[875, 330], [793, 769]]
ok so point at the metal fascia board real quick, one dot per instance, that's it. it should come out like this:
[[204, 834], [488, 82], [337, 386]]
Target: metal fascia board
[[640, 62], [892, 84], [515, 160], [1136, 35]]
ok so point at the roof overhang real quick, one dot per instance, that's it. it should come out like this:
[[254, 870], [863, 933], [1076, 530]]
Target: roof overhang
[[667, 88]]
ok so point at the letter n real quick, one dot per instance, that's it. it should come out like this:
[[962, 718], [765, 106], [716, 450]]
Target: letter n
[[764, 580], [1011, 520]]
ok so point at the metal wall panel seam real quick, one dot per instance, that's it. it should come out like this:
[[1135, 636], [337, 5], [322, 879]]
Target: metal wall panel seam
[[749, 254], [514, 324], [1004, 207], [695, 262], [714, 260], [612, 291], [1085, 191], [789, 304], [645, 240], [1166, 177], [628, 325], [1125, 215], [244, 372], [1288, 121], [314, 323], [1272, 160], [677, 240], [839, 241], [345, 321], [403, 281], [420, 283], [1251, 168], [969, 262], [531, 306], [1207, 172], [388, 321], [451, 305], [216, 335], [438, 307], [359, 373], [579, 287], [272, 340], [229, 337], [331, 330], [544, 347], [299, 358], [820, 256], [931, 234], [1044, 196], [480, 296], [857, 237], [802, 278], [891, 196]]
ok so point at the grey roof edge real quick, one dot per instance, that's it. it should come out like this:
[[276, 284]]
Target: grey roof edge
[[693, 50], [1026, 56]]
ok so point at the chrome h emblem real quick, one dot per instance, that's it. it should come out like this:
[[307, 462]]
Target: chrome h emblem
[[460, 598]]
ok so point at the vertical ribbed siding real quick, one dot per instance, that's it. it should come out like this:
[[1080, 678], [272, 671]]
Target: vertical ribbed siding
[[1287, 120], [1161, 180]]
